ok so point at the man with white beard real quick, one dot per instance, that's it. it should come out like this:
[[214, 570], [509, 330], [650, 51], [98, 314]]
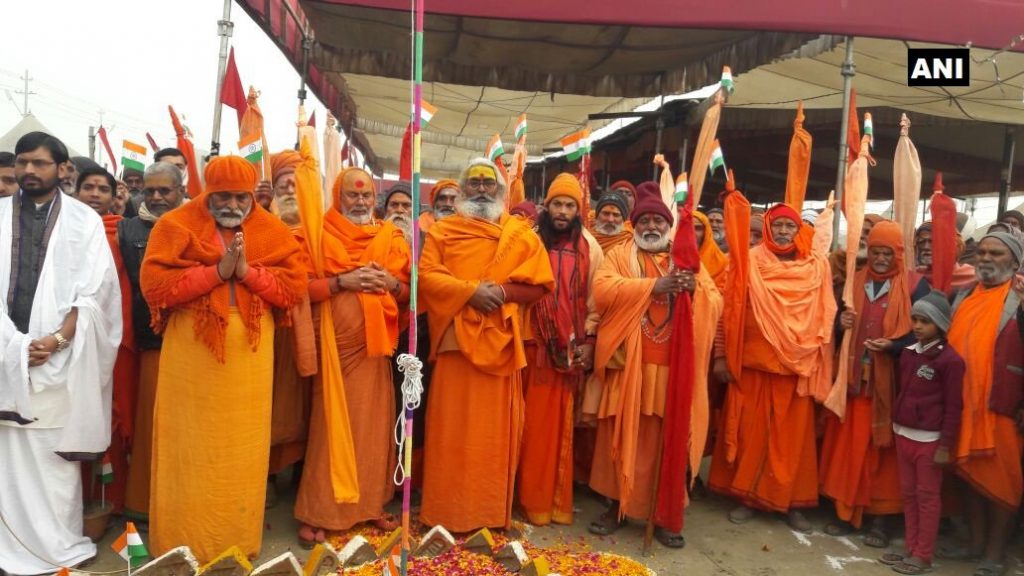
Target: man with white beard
[[610, 226], [398, 208], [986, 332]]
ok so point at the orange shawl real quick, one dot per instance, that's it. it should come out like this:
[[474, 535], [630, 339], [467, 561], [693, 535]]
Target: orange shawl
[[458, 254], [973, 334], [348, 246], [609, 241], [187, 237], [711, 256], [895, 325]]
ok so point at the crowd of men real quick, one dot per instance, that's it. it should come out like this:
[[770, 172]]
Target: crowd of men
[[203, 345]]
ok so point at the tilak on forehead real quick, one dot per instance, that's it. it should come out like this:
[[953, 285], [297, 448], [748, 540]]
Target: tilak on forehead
[[357, 180], [482, 171]]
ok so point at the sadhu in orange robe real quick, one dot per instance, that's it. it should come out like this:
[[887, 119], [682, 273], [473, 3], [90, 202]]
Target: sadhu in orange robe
[[778, 327], [631, 363], [366, 331], [475, 414]]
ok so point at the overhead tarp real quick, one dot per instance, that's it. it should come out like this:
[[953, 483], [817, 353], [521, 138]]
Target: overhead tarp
[[995, 94], [28, 123]]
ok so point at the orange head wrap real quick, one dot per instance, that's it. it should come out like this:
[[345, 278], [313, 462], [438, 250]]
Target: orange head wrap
[[801, 241], [230, 174], [886, 234], [441, 185], [284, 162], [565, 184], [352, 179]]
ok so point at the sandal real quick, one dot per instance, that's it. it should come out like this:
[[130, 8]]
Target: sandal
[[962, 553], [797, 521], [741, 514], [876, 538], [669, 539], [839, 528], [607, 523], [990, 568], [892, 558], [912, 566]]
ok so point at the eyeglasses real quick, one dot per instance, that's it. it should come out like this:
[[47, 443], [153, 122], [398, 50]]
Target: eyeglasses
[[478, 184], [38, 164]]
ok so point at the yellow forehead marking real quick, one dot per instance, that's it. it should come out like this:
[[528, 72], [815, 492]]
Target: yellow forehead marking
[[482, 171]]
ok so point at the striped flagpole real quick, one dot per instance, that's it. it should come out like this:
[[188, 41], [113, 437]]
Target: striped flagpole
[[417, 109]]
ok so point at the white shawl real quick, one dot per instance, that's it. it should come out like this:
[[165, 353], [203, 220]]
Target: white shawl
[[72, 391]]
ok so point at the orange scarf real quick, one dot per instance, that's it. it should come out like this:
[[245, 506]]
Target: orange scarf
[[187, 237], [711, 256], [895, 324], [973, 334], [356, 245], [609, 241]]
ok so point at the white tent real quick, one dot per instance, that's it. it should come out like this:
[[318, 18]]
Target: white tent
[[28, 123]]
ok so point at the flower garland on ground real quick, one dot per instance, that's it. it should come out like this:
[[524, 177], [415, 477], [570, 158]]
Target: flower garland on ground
[[574, 558]]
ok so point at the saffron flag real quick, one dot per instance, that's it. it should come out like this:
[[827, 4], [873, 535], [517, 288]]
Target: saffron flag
[[576, 145], [426, 113], [252, 148], [726, 82], [102, 133], [133, 156], [130, 547], [195, 185], [152, 142], [494, 148], [231, 92], [106, 470], [717, 159], [521, 127]]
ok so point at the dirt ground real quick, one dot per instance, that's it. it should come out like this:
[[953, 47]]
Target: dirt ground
[[765, 546]]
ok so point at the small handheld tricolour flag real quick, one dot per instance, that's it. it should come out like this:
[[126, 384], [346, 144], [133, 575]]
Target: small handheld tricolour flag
[[726, 82], [130, 547], [426, 112], [576, 145], [717, 158], [106, 470], [252, 148], [521, 127], [133, 156], [869, 129], [494, 148], [682, 188]]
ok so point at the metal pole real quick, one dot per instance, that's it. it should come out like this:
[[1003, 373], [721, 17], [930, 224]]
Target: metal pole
[[659, 126], [92, 143], [607, 174], [848, 72], [224, 29], [1006, 183]]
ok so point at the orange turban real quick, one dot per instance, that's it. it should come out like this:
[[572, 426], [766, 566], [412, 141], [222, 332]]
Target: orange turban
[[284, 162], [355, 179], [230, 174], [441, 185], [887, 234], [565, 184], [801, 241]]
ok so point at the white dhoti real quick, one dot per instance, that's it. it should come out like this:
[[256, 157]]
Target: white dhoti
[[40, 504]]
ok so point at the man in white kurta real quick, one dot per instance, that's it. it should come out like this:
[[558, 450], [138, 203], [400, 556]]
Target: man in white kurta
[[60, 326]]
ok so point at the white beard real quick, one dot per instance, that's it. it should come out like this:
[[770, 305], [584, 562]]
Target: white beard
[[441, 213], [609, 228], [230, 218], [490, 210], [404, 224], [288, 211], [358, 219], [653, 245]]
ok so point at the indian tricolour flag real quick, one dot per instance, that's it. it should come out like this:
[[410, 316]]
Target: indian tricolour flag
[[521, 127], [726, 82], [576, 145], [107, 470], [130, 547], [682, 188], [717, 158], [133, 156], [426, 112], [252, 148], [869, 129], [494, 148]]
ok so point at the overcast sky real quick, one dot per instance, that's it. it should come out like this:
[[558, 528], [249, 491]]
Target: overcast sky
[[130, 59]]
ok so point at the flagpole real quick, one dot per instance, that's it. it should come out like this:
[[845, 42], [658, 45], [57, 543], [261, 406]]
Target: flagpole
[[224, 30], [848, 71]]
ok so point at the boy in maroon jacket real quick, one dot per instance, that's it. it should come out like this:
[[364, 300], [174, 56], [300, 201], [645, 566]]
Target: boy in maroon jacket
[[926, 421]]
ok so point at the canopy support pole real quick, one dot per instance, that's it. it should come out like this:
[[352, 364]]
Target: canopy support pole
[[1006, 182], [225, 28], [848, 71]]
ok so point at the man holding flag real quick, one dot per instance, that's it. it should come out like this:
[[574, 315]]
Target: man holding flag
[[635, 291]]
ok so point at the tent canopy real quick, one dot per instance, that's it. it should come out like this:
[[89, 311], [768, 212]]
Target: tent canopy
[[28, 123]]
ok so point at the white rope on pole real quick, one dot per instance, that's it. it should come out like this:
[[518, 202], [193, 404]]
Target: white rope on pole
[[412, 392]]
